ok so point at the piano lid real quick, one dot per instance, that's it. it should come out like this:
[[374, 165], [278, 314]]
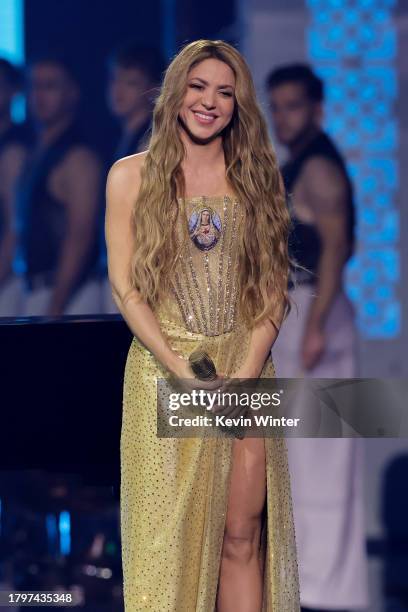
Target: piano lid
[[61, 392]]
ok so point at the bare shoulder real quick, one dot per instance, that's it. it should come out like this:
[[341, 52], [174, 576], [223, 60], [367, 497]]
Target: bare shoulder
[[11, 161], [322, 170], [80, 156], [12, 153], [325, 186], [124, 175]]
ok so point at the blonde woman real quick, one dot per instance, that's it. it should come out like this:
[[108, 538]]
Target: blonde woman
[[206, 523]]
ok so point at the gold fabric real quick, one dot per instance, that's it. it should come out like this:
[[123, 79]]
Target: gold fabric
[[174, 491]]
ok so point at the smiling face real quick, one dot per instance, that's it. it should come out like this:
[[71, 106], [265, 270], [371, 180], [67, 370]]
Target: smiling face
[[209, 101]]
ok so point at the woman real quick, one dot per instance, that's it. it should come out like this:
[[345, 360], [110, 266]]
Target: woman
[[206, 522]]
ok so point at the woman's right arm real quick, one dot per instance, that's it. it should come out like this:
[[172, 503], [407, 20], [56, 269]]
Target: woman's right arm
[[122, 188]]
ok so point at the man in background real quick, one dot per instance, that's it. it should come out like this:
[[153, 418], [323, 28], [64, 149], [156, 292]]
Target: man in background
[[135, 73], [58, 199], [14, 141], [319, 340]]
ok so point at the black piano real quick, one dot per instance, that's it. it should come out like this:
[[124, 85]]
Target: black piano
[[61, 393], [61, 408]]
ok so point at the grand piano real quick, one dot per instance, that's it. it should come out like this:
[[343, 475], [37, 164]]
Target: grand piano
[[61, 394], [61, 407]]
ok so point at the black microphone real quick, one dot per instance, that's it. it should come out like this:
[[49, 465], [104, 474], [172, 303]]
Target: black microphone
[[204, 369], [202, 365]]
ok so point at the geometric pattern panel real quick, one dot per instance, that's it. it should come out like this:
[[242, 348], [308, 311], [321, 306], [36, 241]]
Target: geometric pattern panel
[[352, 45]]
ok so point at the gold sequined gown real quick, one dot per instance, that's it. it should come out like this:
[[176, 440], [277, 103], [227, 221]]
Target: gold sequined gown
[[174, 491]]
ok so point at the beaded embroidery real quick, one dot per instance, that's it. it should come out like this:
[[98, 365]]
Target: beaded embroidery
[[212, 255]]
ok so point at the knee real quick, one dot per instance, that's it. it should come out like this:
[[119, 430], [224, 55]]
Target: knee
[[241, 541]]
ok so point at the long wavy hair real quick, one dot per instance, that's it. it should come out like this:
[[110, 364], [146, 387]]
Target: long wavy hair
[[251, 170]]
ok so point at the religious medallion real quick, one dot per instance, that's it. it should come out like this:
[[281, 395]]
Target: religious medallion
[[205, 228]]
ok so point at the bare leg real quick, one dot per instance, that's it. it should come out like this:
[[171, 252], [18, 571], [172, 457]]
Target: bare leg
[[240, 581]]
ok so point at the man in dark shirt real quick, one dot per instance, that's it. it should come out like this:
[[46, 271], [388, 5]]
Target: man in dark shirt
[[135, 73], [13, 150], [319, 340], [58, 200]]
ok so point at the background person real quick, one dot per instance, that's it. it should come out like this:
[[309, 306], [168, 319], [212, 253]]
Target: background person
[[319, 340], [135, 73], [14, 141], [58, 200]]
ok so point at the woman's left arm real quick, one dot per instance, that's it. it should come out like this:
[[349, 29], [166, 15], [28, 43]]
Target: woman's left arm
[[262, 339]]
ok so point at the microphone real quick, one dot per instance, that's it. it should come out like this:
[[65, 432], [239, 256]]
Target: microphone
[[202, 365], [204, 369]]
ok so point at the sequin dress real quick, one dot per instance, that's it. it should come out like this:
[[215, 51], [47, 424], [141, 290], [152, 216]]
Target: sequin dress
[[174, 491]]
